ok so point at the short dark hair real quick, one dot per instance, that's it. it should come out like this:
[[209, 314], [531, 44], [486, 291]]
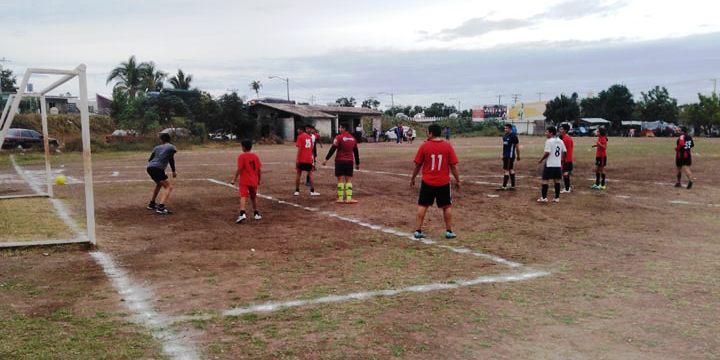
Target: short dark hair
[[246, 144], [435, 130], [684, 129], [508, 126], [602, 131], [552, 130], [565, 127], [165, 137]]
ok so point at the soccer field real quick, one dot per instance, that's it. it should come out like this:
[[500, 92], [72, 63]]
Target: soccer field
[[629, 272]]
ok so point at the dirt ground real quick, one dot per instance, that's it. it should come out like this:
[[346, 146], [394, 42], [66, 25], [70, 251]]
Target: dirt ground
[[633, 271]]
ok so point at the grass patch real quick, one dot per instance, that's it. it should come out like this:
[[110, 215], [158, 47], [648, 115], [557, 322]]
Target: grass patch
[[30, 219]]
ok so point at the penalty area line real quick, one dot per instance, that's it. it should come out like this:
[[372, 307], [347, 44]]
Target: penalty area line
[[385, 229]]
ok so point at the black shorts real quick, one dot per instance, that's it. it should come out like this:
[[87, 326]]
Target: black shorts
[[508, 163], [567, 167], [157, 174], [343, 169], [601, 161], [552, 173], [304, 167], [683, 162], [430, 194]]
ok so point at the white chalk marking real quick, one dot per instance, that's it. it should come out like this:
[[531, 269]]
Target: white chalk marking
[[275, 306], [493, 196], [387, 230]]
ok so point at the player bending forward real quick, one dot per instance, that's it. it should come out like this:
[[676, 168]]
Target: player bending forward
[[600, 159], [161, 156], [248, 169], [511, 152], [567, 161], [347, 153], [304, 161], [436, 157], [683, 157], [554, 150]]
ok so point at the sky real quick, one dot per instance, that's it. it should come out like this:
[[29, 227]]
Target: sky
[[460, 52]]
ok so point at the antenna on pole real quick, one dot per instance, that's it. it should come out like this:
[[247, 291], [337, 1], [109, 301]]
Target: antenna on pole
[[500, 96], [714, 81], [540, 94], [515, 97]]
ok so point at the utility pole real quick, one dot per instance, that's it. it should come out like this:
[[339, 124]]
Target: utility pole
[[515, 97], [500, 99], [392, 100], [540, 94], [2, 62], [312, 99], [714, 81], [287, 84]]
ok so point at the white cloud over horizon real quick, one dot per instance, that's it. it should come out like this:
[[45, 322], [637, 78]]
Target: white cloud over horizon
[[341, 48]]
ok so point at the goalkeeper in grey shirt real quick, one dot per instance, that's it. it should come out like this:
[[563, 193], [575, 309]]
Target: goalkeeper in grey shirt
[[161, 156]]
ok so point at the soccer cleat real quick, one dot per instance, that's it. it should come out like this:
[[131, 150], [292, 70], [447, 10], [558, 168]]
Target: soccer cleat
[[542, 200], [340, 201], [241, 218], [595, 187], [162, 211], [152, 206], [689, 185], [314, 193], [564, 191], [297, 193], [556, 200], [351, 201], [502, 188], [677, 185], [419, 234], [512, 188], [449, 234], [603, 187], [258, 216]]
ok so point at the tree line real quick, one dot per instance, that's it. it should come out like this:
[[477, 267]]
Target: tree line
[[618, 104]]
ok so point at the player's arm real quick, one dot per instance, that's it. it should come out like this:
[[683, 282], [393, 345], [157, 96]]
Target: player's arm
[[517, 150], [415, 173], [456, 174], [356, 152], [152, 156], [330, 154], [237, 173], [259, 171], [171, 161], [545, 156]]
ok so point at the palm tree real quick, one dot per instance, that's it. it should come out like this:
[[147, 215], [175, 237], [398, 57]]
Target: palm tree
[[128, 76], [181, 81], [153, 78], [256, 86]]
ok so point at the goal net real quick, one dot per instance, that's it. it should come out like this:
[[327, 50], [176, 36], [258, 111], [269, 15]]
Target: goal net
[[39, 183]]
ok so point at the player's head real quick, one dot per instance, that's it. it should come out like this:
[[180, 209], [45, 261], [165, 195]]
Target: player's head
[[342, 127], [309, 129], [300, 130], [602, 131], [246, 145], [683, 130], [434, 130], [165, 137], [564, 129], [550, 132], [507, 128]]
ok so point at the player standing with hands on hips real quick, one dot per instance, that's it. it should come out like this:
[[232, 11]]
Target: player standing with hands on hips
[[437, 159], [554, 152], [347, 153]]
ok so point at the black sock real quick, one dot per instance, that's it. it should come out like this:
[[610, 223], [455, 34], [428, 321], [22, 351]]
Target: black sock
[[566, 180], [297, 189], [512, 180], [312, 189], [603, 180], [242, 212], [679, 177], [544, 191], [557, 190], [597, 178], [418, 230], [256, 212], [448, 230], [160, 206], [505, 180]]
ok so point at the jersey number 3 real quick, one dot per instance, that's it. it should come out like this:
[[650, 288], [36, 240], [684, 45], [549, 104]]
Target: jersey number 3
[[439, 159]]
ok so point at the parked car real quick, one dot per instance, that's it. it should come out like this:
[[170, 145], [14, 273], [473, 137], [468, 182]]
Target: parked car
[[221, 136], [122, 136], [579, 131], [391, 135], [176, 132], [25, 139]]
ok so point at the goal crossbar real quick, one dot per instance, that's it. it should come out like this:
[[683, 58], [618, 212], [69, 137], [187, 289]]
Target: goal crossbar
[[10, 110]]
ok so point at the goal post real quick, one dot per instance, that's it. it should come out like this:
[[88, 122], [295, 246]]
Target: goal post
[[10, 110]]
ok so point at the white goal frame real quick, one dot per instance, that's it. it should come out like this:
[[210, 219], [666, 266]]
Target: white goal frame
[[10, 110]]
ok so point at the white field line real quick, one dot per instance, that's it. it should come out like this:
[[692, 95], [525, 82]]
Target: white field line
[[386, 229], [364, 295], [137, 299]]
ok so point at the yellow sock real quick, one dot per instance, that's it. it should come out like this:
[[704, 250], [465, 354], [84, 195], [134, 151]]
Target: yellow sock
[[341, 190], [348, 191]]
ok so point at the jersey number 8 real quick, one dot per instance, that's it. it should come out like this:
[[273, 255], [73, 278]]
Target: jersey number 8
[[557, 151]]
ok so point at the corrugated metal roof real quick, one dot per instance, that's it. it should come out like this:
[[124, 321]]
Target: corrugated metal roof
[[319, 111]]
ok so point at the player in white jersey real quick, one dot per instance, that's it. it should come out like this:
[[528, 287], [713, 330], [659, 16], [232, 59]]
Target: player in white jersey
[[554, 150]]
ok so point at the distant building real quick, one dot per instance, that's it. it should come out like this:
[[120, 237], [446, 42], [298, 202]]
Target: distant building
[[102, 104], [60, 104], [488, 112]]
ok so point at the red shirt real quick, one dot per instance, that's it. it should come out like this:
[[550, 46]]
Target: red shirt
[[569, 145], [305, 144], [683, 150], [345, 145], [249, 165], [436, 156], [602, 152]]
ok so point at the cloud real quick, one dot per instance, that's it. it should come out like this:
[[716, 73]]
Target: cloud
[[568, 10]]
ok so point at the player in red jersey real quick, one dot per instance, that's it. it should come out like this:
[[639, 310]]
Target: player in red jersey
[[347, 154], [248, 169], [567, 161], [683, 157], [437, 159], [600, 159], [304, 161]]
